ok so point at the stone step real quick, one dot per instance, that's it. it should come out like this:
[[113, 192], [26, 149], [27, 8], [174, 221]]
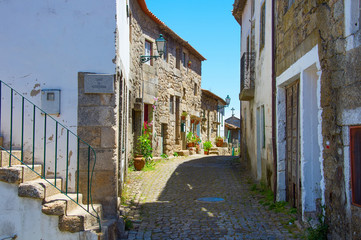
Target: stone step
[[213, 153], [39, 189], [5, 156], [213, 149], [79, 220], [183, 153], [60, 204], [19, 174]]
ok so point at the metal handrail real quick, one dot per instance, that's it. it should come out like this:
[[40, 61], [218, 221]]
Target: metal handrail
[[68, 133]]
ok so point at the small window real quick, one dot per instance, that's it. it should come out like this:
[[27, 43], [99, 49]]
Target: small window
[[355, 154], [171, 104], [165, 54], [262, 26], [177, 60], [50, 96], [148, 51], [184, 59], [253, 7], [195, 89]]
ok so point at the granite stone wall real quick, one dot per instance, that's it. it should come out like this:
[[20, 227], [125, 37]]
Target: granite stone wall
[[160, 81], [299, 29], [97, 125]]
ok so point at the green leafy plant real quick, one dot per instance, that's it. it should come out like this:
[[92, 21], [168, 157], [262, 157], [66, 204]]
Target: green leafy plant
[[175, 154], [318, 232], [189, 137], [219, 138], [164, 156], [207, 145], [145, 143], [184, 114]]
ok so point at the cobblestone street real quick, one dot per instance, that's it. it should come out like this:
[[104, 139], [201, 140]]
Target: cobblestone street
[[163, 204]]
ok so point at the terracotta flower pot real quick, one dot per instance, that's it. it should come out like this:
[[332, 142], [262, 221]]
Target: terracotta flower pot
[[139, 162], [205, 152], [219, 143], [190, 144]]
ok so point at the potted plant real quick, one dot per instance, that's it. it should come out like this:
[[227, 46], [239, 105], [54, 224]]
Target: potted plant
[[207, 145], [139, 162], [184, 115], [190, 140], [145, 149], [198, 148], [219, 141]]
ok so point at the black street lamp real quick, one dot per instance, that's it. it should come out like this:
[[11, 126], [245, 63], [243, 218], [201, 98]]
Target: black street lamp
[[160, 42]]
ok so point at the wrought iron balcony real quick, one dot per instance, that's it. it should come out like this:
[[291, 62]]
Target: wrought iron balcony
[[247, 76]]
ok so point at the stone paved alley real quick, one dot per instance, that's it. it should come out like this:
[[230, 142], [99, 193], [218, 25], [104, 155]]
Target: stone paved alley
[[162, 204]]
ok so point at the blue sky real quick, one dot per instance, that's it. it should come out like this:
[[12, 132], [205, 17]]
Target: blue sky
[[209, 26]]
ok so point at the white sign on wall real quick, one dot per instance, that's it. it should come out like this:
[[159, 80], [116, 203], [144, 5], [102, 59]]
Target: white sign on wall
[[99, 83]]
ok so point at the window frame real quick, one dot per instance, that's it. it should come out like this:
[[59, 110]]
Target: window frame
[[171, 104], [184, 59], [177, 58], [262, 30], [150, 53], [352, 161]]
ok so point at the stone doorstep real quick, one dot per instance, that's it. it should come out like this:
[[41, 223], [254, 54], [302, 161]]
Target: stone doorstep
[[213, 153], [79, 220], [4, 158], [19, 174], [60, 204], [183, 153], [39, 189]]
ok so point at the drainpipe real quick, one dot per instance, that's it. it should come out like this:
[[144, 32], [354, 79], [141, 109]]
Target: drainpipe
[[274, 120]]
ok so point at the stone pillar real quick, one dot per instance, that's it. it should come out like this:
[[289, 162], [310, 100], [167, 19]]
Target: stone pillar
[[97, 125]]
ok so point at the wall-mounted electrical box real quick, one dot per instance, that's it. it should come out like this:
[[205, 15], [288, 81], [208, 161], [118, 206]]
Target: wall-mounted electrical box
[[50, 101]]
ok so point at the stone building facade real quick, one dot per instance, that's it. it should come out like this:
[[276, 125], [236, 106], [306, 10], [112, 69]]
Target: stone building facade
[[318, 71], [318, 107], [163, 88], [212, 116]]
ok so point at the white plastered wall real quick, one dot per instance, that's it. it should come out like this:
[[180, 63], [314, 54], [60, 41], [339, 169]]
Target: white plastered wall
[[352, 24], [44, 44], [307, 70], [23, 217]]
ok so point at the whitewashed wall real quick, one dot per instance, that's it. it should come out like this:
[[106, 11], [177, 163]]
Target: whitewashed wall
[[23, 217], [263, 87], [44, 44]]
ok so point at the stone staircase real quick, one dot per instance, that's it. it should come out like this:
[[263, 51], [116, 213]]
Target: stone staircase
[[213, 151], [72, 217]]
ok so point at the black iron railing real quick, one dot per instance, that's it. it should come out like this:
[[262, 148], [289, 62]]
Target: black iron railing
[[247, 70]]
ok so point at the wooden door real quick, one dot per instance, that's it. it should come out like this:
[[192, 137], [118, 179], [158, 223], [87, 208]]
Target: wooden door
[[293, 176]]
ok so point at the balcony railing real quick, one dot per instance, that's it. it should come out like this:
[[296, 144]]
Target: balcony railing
[[247, 76]]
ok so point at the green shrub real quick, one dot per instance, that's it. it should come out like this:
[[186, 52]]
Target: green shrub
[[207, 145]]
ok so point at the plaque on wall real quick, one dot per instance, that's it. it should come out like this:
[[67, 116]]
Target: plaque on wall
[[99, 83]]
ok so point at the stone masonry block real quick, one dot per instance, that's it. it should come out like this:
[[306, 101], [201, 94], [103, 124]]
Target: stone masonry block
[[11, 175], [105, 159], [56, 208], [104, 190], [91, 135], [108, 139], [96, 116], [31, 190], [71, 223]]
